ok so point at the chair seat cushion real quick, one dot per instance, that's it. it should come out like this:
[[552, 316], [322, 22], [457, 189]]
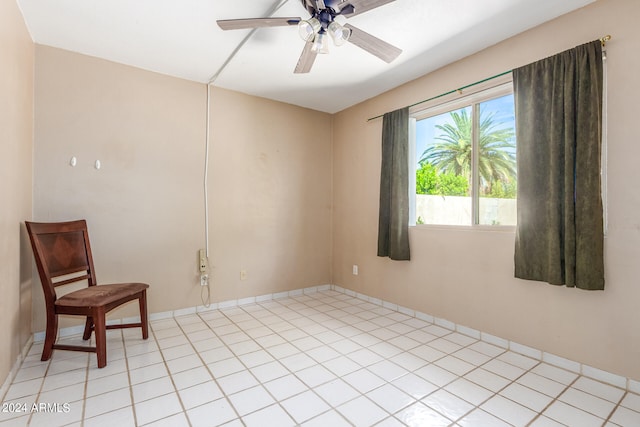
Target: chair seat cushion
[[100, 295]]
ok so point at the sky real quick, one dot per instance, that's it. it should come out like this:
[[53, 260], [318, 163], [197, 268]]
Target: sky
[[426, 128]]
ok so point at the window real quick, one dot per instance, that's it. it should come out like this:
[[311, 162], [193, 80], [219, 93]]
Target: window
[[464, 161]]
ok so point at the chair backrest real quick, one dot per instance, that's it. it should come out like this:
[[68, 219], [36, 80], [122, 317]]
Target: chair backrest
[[62, 253]]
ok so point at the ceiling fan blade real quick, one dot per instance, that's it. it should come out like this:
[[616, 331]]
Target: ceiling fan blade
[[240, 24], [320, 5], [356, 7], [311, 6], [306, 59], [380, 48]]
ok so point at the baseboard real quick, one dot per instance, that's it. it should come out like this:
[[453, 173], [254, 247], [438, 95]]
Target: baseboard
[[552, 359], [569, 365], [76, 330], [14, 369]]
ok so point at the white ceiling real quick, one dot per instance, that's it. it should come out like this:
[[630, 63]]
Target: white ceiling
[[180, 38]]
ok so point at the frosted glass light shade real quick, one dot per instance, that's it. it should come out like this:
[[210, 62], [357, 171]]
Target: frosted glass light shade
[[338, 33], [308, 29], [320, 44]]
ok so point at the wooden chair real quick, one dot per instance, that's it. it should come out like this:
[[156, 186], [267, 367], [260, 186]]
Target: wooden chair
[[63, 256]]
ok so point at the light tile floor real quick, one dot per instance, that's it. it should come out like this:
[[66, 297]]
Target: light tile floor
[[322, 359]]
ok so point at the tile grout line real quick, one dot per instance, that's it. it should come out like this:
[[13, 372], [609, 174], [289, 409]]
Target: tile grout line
[[126, 364], [322, 306], [222, 311], [616, 407], [452, 354], [236, 356], [630, 384], [388, 415], [309, 389], [170, 374], [295, 373], [525, 371], [364, 367], [508, 343], [205, 365], [84, 392]]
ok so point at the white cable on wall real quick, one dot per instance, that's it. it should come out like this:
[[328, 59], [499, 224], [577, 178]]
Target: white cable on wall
[[206, 301], [206, 174], [276, 5]]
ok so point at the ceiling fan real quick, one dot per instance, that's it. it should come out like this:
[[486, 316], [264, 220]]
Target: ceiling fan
[[322, 24]]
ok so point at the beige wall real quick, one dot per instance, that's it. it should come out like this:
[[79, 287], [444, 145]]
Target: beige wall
[[269, 181], [270, 194], [16, 145], [465, 275]]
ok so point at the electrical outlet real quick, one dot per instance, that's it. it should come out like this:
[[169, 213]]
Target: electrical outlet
[[243, 274], [354, 270], [203, 263], [204, 280]]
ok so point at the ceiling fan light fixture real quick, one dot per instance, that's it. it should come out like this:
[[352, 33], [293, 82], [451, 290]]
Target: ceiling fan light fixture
[[338, 33], [320, 44], [321, 26], [308, 29]]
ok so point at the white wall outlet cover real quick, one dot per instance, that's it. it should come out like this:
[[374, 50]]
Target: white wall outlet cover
[[98, 165], [73, 161]]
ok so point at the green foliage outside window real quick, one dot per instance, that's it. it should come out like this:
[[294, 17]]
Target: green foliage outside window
[[430, 181], [445, 166]]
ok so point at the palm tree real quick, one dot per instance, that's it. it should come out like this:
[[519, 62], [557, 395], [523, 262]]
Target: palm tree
[[452, 151]]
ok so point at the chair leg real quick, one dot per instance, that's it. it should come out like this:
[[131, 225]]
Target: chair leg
[[50, 336], [100, 329], [88, 328], [143, 315]]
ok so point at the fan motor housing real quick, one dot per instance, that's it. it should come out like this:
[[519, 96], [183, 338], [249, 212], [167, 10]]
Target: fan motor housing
[[331, 6]]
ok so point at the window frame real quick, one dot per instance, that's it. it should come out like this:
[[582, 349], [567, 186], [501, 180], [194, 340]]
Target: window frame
[[495, 89]]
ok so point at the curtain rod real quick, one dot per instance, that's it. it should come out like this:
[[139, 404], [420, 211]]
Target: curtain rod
[[459, 90], [603, 40]]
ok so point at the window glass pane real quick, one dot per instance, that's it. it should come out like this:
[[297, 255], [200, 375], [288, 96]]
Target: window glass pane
[[443, 169], [497, 162], [465, 164]]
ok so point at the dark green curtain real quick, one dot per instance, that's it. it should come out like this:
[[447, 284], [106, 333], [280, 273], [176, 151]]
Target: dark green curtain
[[393, 225], [559, 237]]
